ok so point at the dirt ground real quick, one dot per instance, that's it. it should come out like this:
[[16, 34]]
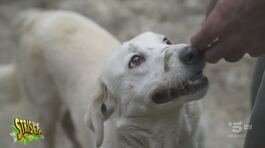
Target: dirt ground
[[227, 101]]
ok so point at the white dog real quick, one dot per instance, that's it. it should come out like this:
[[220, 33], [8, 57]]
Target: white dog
[[145, 88]]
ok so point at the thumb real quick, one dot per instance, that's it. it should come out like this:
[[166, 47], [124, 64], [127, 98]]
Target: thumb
[[209, 32]]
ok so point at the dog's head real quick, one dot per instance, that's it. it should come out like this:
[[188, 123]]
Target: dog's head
[[147, 76]]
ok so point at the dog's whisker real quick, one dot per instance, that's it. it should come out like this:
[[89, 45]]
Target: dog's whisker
[[179, 82], [183, 87], [169, 86]]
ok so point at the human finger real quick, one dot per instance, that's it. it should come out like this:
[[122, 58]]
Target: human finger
[[211, 29], [234, 56]]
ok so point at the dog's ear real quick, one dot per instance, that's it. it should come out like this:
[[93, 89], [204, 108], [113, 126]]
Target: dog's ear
[[99, 110]]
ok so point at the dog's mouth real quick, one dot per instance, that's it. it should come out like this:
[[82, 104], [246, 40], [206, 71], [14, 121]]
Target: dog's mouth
[[192, 85]]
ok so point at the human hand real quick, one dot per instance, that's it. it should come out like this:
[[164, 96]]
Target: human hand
[[236, 27]]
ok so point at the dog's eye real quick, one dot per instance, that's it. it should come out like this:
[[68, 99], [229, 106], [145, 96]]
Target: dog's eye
[[166, 41], [136, 60]]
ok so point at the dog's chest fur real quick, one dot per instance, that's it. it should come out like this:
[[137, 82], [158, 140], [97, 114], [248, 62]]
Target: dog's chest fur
[[134, 137], [175, 132]]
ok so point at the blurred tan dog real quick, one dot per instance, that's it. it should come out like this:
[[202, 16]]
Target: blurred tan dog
[[8, 84], [145, 88]]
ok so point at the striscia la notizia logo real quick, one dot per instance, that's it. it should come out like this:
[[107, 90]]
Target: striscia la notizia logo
[[25, 130]]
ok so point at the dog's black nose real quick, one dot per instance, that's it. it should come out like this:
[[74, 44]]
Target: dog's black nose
[[189, 55]]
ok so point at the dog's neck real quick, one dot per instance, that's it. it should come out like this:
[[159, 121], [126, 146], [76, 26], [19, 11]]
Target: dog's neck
[[167, 131]]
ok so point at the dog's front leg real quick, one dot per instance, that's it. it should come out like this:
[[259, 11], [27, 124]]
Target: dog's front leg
[[47, 118]]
